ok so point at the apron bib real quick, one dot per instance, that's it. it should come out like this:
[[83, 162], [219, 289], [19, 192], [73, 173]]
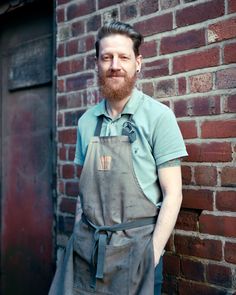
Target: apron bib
[[112, 243]]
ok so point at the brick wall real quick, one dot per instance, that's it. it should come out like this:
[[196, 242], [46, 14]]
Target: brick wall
[[190, 65]]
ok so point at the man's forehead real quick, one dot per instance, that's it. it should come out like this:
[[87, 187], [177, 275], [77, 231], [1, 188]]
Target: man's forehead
[[116, 42]]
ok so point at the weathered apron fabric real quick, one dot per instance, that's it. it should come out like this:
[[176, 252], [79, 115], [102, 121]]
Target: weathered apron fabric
[[112, 243]]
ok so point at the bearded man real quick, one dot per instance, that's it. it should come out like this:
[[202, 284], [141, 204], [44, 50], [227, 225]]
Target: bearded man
[[129, 147]]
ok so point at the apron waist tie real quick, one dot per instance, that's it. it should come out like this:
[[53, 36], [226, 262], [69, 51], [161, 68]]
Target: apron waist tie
[[102, 235]]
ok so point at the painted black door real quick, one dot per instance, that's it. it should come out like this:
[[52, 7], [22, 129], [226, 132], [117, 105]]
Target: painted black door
[[26, 53]]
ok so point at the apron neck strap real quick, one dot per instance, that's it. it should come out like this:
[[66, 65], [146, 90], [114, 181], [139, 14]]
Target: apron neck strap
[[98, 129]]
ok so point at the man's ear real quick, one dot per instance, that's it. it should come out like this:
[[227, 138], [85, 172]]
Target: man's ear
[[139, 60]]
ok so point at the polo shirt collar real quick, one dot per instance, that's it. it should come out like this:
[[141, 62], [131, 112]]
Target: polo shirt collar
[[129, 109]]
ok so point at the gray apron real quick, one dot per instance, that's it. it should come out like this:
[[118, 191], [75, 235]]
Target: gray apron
[[112, 243]]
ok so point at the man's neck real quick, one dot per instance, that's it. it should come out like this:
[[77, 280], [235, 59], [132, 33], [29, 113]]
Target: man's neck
[[114, 107]]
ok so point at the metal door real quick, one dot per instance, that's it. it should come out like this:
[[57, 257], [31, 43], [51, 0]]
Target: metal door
[[26, 151]]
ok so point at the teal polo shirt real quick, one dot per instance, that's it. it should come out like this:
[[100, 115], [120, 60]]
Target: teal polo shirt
[[158, 138]]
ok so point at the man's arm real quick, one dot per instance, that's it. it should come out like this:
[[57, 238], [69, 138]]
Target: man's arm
[[78, 204], [171, 185]]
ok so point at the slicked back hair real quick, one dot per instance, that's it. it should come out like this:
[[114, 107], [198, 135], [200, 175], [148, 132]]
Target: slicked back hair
[[116, 27]]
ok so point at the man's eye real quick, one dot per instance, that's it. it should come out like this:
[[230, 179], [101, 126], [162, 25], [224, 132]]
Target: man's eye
[[106, 57], [124, 57]]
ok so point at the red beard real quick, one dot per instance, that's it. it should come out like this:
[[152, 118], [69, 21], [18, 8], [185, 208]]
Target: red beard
[[116, 90]]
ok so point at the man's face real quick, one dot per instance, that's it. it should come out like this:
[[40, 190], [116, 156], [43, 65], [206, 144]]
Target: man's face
[[117, 67]]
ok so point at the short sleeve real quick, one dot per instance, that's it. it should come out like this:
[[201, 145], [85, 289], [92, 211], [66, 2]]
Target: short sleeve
[[167, 140], [79, 158]]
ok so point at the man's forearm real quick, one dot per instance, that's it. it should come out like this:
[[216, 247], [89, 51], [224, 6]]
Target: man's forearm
[[165, 223]]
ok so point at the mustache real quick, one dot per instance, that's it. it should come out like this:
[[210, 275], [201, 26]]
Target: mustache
[[115, 74]]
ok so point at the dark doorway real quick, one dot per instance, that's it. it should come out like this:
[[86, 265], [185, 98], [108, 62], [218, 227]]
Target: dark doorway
[[27, 163]]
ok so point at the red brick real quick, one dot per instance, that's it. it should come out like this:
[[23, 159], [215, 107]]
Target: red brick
[[61, 50], [196, 60], [171, 264], [68, 171], [183, 41], [222, 30], [230, 250], [71, 154], [218, 225], [194, 246], [209, 152], [62, 153], [67, 136], [93, 23], [197, 106], [231, 6], [106, 3], [187, 220], [186, 174], [188, 129], [157, 68], [78, 28], [79, 9], [148, 7], [188, 287], [149, 49], [197, 199], [148, 88], [70, 66], [181, 85], [72, 189], [128, 11], [165, 4], [78, 82], [60, 13], [71, 118], [230, 53], [228, 176], [154, 25], [226, 78], [218, 129], [68, 205], [90, 62], [60, 120], [86, 44], [205, 175], [199, 13], [219, 275], [60, 85], [165, 88], [226, 201], [201, 83], [230, 105], [192, 269], [72, 100], [71, 47]]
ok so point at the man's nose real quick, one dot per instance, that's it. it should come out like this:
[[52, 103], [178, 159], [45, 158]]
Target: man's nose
[[115, 65]]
